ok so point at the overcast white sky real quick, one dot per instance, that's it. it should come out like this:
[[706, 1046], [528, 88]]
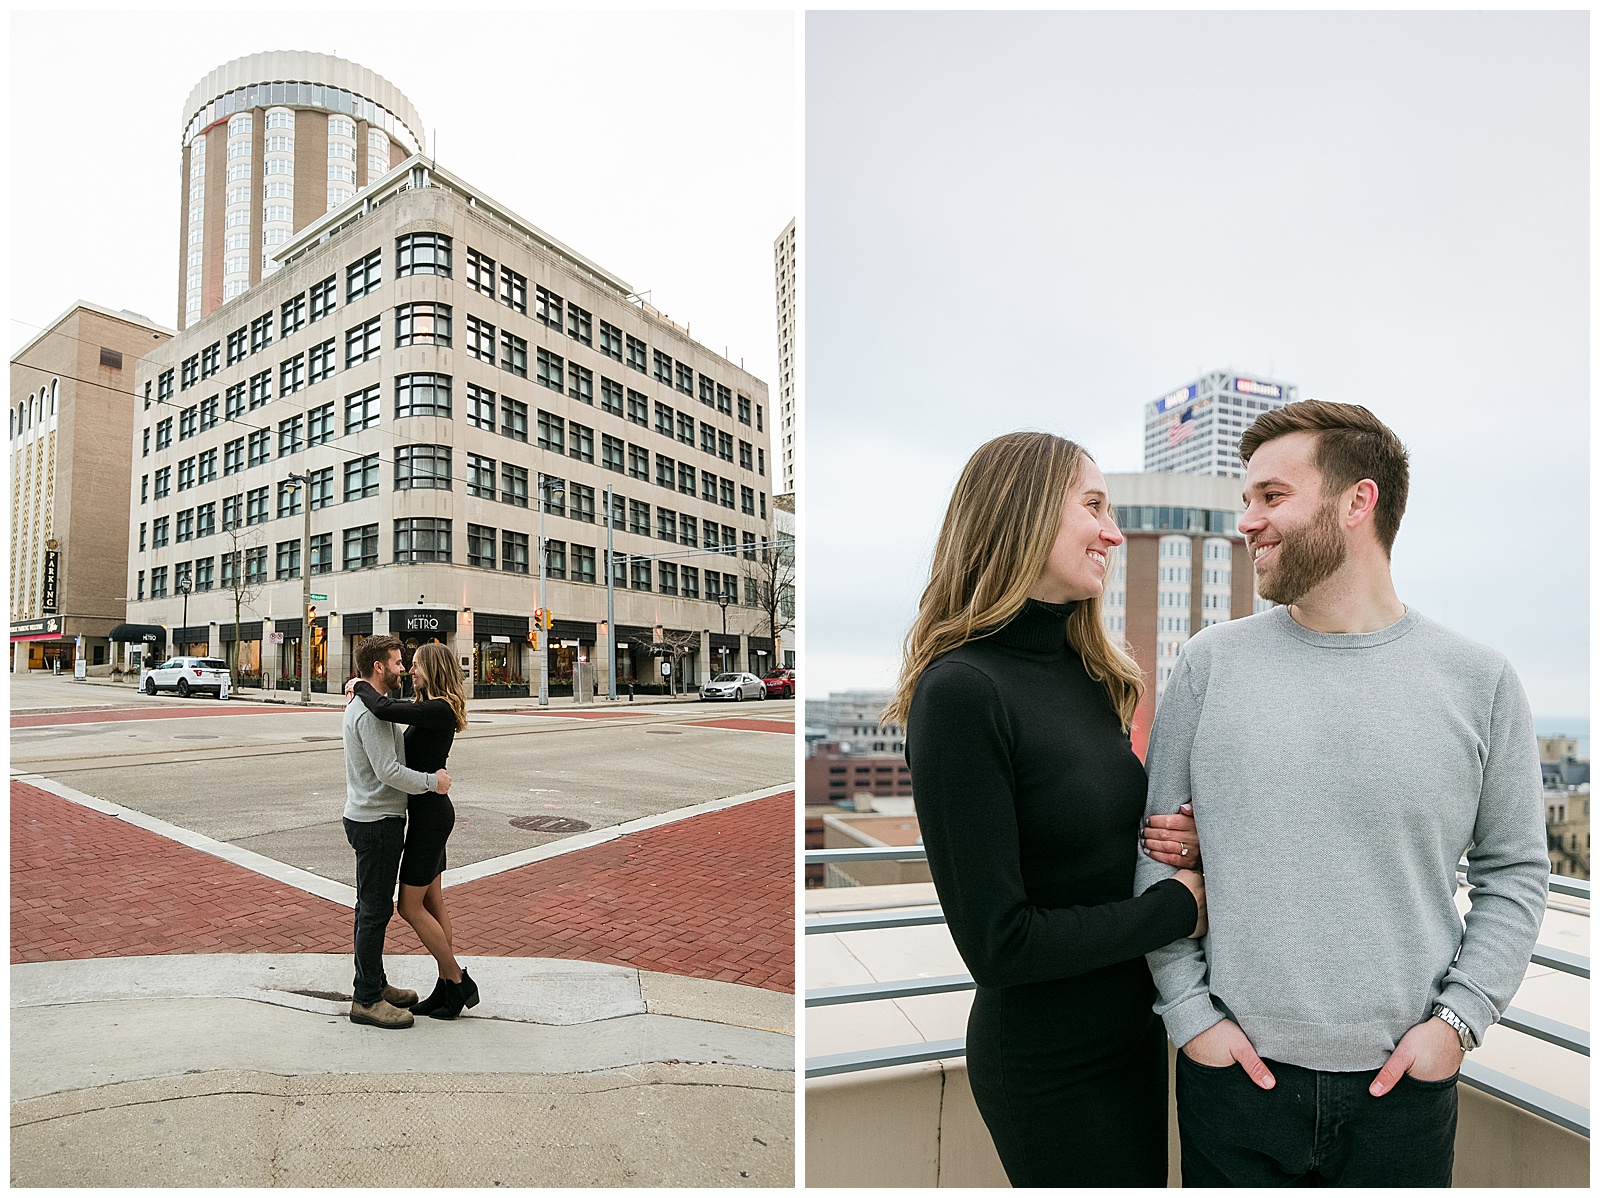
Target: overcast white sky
[[1047, 219], [661, 145]]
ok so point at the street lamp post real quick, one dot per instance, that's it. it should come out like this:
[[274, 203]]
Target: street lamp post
[[183, 589], [302, 483], [722, 650], [547, 487]]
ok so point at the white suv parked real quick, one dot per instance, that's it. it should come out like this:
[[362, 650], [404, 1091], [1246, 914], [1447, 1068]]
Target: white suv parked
[[185, 675]]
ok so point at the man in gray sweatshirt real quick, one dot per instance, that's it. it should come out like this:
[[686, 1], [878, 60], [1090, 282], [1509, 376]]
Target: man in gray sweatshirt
[[1342, 752], [377, 786]]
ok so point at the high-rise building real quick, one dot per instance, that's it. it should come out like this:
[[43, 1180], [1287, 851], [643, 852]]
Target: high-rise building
[[1184, 566], [425, 371], [1196, 428], [783, 252], [71, 422], [270, 143]]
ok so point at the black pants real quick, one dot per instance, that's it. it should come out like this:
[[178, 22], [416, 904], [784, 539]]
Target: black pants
[[1312, 1128], [377, 845]]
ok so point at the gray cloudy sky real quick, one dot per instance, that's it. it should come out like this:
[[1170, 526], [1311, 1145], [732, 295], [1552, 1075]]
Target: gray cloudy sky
[[1047, 219], [661, 145]]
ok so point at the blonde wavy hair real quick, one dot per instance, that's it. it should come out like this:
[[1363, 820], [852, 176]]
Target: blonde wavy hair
[[441, 680], [998, 531]]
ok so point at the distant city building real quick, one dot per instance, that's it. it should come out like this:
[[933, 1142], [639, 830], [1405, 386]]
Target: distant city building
[[1195, 429], [783, 527], [783, 252], [851, 718], [1566, 816], [1184, 566], [835, 774], [270, 143], [71, 426]]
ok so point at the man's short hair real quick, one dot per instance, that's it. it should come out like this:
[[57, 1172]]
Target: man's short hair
[[1352, 444], [373, 650]]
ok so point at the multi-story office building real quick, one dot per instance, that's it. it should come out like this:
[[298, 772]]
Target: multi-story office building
[[785, 268], [1196, 428], [1184, 566], [72, 418], [428, 365], [851, 719], [271, 142]]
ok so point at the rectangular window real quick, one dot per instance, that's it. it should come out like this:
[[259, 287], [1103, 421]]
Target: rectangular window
[[480, 407], [619, 512], [289, 499], [713, 535], [324, 297], [422, 324], [666, 524], [611, 341], [363, 276], [480, 339], [289, 436], [580, 383], [547, 308], [580, 440], [260, 447], [513, 484], [761, 461], [480, 476], [663, 368], [686, 429], [610, 396], [260, 389], [164, 434], [611, 452], [638, 409], [233, 456], [361, 408], [746, 455], [188, 423], [685, 379], [291, 374], [579, 325], [514, 354], [260, 333], [550, 370], [708, 437], [514, 552], [361, 477], [211, 359], [319, 424], [749, 541], [322, 553], [637, 351], [553, 495], [158, 532], [724, 400], [580, 502], [158, 582], [361, 547], [255, 506], [480, 546], [321, 359], [669, 578], [363, 342], [205, 519], [288, 559], [689, 582], [707, 393], [725, 492], [555, 559], [513, 290], [189, 372], [638, 517], [422, 467], [725, 446], [232, 511], [759, 425], [639, 575], [513, 418], [163, 482], [664, 424], [666, 472], [205, 573], [142, 546], [583, 563], [552, 432], [236, 398], [422, 539], [292, 315], [255, 565], [422, 254], [208, 413], [744, 410], [422, 395], [480, 271], [207, 472], [238, 345], [688, 531], [638, 462]]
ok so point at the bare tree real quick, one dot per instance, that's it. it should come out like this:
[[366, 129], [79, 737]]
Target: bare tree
[[676, 645], [244, 588], [769, 586]]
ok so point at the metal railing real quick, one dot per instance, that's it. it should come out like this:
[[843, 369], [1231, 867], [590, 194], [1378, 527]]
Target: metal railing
[[1558, 1110]]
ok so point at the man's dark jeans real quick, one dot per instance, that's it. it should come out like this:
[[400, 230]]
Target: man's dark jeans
[[377, 844], [1312, 1128]]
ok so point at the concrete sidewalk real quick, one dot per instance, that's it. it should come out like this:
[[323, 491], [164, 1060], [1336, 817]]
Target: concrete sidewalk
[[567, 1073]]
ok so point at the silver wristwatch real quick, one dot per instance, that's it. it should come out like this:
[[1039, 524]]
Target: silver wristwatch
[[1468, 1040]]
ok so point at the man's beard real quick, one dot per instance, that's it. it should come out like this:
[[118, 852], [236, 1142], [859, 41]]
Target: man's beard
[[1306, 557]]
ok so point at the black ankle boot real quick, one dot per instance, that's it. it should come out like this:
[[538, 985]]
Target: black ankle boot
[[433, 1002], [469, 989], [451, 1003]]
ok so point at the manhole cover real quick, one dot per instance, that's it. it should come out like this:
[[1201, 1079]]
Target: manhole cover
[[548, 823], [195, 736], [665, 731], [322, 738]]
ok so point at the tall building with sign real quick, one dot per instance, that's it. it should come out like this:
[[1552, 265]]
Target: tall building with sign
[[1195, 429], [428, 365], [71, 422], [270, 143]]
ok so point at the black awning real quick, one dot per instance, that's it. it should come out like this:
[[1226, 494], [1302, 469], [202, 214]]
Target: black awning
[[140, 634]]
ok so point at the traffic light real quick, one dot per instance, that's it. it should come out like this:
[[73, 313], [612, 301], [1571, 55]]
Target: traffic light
[[547, 620]]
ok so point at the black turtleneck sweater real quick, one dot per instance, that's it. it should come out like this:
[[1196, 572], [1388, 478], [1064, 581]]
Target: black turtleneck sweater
[[1029, 797]]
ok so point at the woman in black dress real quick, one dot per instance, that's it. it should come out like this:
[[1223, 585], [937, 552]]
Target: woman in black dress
[[438, 714], [1017, 708]]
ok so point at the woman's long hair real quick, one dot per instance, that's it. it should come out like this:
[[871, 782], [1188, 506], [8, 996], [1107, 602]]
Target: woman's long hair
[[997, 535], [441, 680]]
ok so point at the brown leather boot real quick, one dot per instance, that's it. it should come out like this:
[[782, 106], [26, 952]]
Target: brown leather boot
[[380, 1014], [397, 997]]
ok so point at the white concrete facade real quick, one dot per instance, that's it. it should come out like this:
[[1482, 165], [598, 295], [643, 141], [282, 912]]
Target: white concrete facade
[[1195, 429]]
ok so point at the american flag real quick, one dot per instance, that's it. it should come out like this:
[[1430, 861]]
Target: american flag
[[1182, 430]]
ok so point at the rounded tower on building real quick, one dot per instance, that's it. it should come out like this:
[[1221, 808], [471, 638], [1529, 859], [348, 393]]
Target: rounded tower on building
[[271, 142]]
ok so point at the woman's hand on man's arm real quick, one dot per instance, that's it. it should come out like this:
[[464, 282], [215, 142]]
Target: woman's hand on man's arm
[[1172, 839]]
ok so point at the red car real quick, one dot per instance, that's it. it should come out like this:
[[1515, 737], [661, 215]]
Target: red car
[[779, 684]]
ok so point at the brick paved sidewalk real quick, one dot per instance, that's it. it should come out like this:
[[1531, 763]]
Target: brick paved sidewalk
[[708, 897]]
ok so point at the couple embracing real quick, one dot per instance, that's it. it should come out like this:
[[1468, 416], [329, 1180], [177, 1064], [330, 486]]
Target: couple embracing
[[1325, 763], [397, 818]]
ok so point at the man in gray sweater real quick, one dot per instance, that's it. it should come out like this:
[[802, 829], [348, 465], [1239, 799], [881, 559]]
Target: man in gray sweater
[[377, 786], [1341, 753]]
